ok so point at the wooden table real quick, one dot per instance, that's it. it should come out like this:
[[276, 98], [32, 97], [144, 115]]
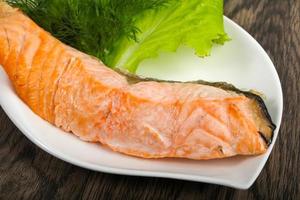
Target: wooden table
[[27, 171]]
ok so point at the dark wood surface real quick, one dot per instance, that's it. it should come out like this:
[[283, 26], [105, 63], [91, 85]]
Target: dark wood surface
[[29, 172]]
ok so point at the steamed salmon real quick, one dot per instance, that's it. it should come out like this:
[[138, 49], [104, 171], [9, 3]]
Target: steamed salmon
[[141, 117]]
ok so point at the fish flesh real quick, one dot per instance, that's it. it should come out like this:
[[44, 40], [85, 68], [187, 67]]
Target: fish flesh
[[132, 115]]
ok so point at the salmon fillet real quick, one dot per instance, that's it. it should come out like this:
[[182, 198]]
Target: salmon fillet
[[141, 117]]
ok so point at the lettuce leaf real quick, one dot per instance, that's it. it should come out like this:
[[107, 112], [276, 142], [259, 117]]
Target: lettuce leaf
[[194, 23]]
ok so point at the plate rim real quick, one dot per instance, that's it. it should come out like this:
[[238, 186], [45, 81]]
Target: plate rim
[[171, 175]]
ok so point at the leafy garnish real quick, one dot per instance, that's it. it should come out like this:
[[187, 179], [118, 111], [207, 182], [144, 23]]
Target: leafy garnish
[[194, 23], [92, 26], [123, 33]]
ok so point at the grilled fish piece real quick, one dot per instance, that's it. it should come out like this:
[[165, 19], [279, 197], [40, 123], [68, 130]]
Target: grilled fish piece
[[141, 117]]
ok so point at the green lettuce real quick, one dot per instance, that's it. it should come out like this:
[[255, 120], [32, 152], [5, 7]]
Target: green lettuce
[[193, 23]]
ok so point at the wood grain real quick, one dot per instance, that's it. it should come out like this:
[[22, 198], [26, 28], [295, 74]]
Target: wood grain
[[28, 172]]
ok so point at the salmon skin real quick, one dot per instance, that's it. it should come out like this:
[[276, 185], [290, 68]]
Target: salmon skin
[[141, 117]]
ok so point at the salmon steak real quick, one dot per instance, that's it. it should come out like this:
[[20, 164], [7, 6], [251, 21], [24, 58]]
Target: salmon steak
[[136, 116]]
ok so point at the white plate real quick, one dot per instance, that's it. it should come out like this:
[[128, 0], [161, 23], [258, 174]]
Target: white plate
[[241, 61]]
